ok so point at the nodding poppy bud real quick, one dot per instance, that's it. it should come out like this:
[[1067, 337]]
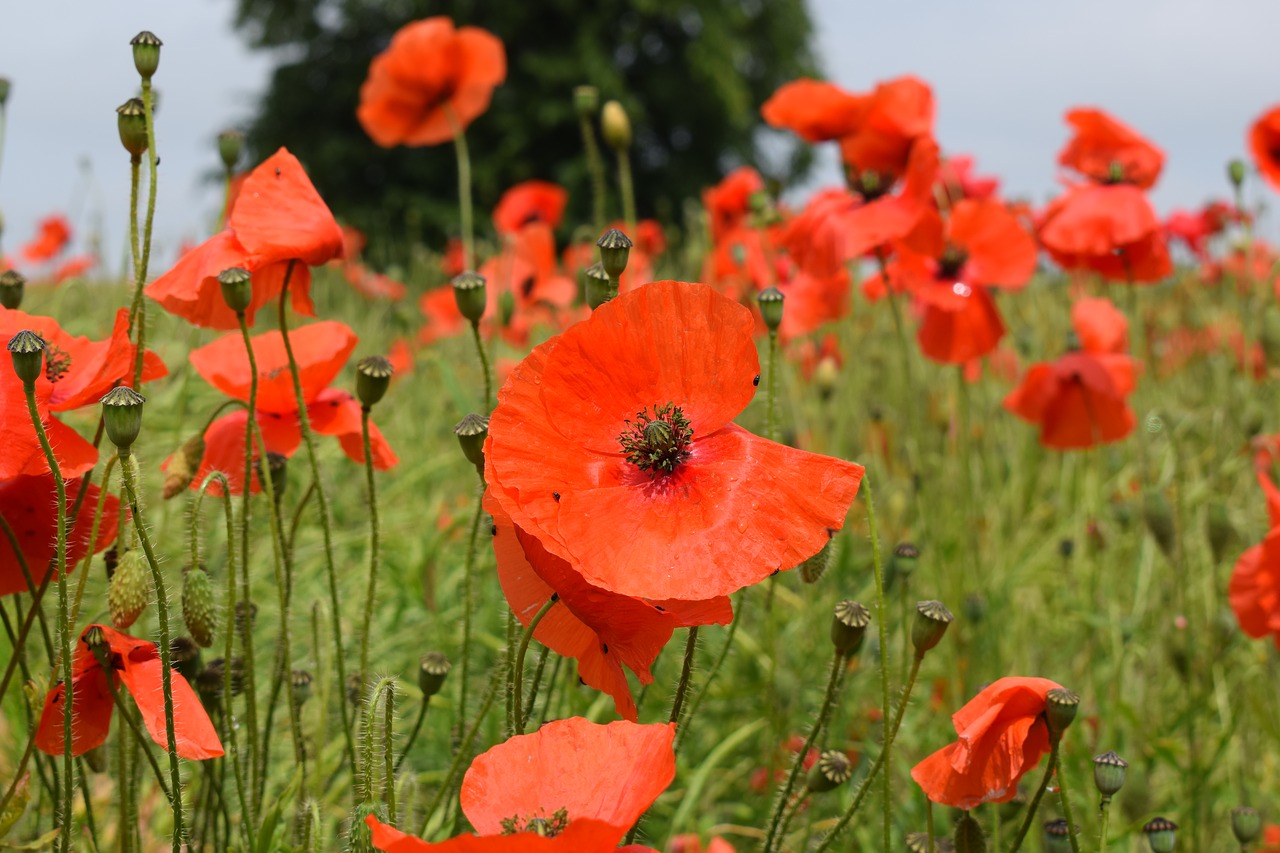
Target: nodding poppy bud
[[1057, 836], [968, 836], [849, 627], [373, 377], [1246, 825], [128, 591], [96, 758], [599, 290], [198, 606], [146, 53], [432, 670], [615, 127], [183, 466], [300, 684], [246, 616], [826, 376], [770, 300], [1159, 519], [932, 619], [1060, 709], [1108, 773], [122, 416], [471, 431], [469, 291], [1162, 834], [13, 285], [230, 144], [586, 100], [131, 122], [237, 288], [1066, 547], [832, 769], [4, 90], [27, 351], [355, 688], [812, 569], [615, 247], [184, 654], [1235, 172]]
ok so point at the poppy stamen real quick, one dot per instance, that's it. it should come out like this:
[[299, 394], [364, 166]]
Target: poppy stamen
[[547, 827], [657, 442], [56, 362]]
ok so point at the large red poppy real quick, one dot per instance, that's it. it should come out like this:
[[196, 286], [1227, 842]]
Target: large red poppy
[[1264, 144], [529, 202], [431, 82], [815, 110], [1254, 590], [278, 219], [54, 233], [1108, 151], [1108, 228], [29, 506], [694, 507], [602, 630], [1079, 400], [580, 783], [135, 664], [1003, 734]]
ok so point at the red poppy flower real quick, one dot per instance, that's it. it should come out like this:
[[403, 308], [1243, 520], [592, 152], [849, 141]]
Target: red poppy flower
[[1100, 325], [321, 349], [73, 268], [54, 235], [959, 321], [1110, 229], [1254, 590], [729, 201], [958, 175], [1108, 151], [136, 665], [573, 786], [1270, 840], [528, 202], [815, 110], [430, 83], [613, 445], [897, 114], [1003, 734], [527, 270], [28, 506], [1079, 400], [602, 630], [277, 219], [1266, 454], [1264, 144]]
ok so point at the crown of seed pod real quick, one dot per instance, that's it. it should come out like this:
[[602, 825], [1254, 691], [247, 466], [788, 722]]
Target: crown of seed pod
[[1235, 172], [902, 564], [932, 619], [471, 432], [1162, 834], [968, 835], [27, 351], [122, 417], [129, 590], [771, 302], [586, 100], [373, 378], [615, 248], [184, 654], [1108, 773], [1057, 836], [300, 683], [230, 144], [615, 126], [470, 293], [432, 671], [131, 122], [184, 464], [812, 569], [13, 285], [1246, 825], [146, 53], [598, 289], [1060, 709], [236, 284], [849, 627], [198, 607], [832, 769]]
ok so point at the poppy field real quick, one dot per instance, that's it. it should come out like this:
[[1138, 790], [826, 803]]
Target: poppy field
[[898, 515]]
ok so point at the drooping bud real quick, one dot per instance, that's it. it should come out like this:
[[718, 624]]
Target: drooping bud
[[184, 654], [230, 144], [968, 835], [832, 769], [615, 127], [432, 671], [237, 288], [146, 53], [1108, 773], [27, 351], [373, 377], [812, 569], [1057, 836], [245, 618], [932, 619], [471, 432], [183, 466], [198, 607], [1060, 709], [1162, 834], [13, 285], [599, 289], [122, 417], [96, 758], [1159, 519], [209, 684], [131, 122], [470, 294], [615, 248], [771, 300], [300, 684], [129, 590], [849, 627], [355, 689], [586, 100], [1235, 172], [278, 471], [1246, 824]]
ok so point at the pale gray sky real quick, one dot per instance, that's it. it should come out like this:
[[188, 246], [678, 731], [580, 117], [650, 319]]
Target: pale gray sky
[[1190, 74]]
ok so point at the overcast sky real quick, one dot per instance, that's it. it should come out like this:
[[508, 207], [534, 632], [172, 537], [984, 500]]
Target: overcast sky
[[1190, 74]]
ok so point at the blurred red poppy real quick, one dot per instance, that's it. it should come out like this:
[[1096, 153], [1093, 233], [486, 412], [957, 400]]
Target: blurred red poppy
[[1254, 590], [529, 202], [729, 201], [815, 110], [527, 270], [1109, 229], [1003, 735], [54, 233], [1100, 325], [1079, 400], [73, 268], [29, 506], [430, 83], [1108, 151], [958, 175], [135, 664], [690, 843], [897, 114], [1264, 144]]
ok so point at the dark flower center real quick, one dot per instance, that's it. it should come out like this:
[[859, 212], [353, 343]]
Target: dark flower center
[[547, 827], [659, 442], [56, 363], [951, 262], [869, 183]]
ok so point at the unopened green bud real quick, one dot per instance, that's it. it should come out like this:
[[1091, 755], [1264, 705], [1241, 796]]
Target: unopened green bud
[[849, 627], [1108, 773], [771, 300], [1162, 834], [968, 835], [13, 285], [27, 350], [832, 769], [184, 655], [471, 432], [432, 671], [128, 591], [373, 377], [131, 122], [1246, 824], [300, 684], [237, 288], [1057, 836], [586, 100], [184, 464], [932, 619], [812, 569], [230, 144], [599, 289], [469, 291], [1235, 172], [146, 53], [122, 416], [1060, 709], [199, 609], [615, 127], [615, 247]]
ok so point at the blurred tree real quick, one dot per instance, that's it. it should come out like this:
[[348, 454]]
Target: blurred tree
[[691, 73]]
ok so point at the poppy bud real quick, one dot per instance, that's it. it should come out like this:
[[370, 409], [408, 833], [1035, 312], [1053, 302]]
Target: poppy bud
[[1066, 547], [1162, 834], [615, 247], [1246, 824], [975, 607], [1108, 773], [209, 684], [826, 375], [968, 836], [96, 758], [1221, 532], [471, 432], [812, 569], [183, 466], [932, 619], [13, 285], [215, 672], [230, 144], [849, 627], [198, 608], [373, 377], [469, 291], [1057, 836], [1060, 709], [432, 670], [27, 350], [771, 300], [599, 290], [300, 684], [237, 288], [184, 654], [1235, 172], [246, 617], [146, 53], [355, 688], [4, 90], [129, 590], [95, 640], [832, 769], [615, 127], [1159, 519], [122, 416], [586, 100], [131, 122]]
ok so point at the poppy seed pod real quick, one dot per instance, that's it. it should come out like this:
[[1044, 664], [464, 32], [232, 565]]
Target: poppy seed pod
[[615, 127], [1060, 709], [771, 300], [131, 122], [1108, 773], [146, 53], [968, 836], [1162, 834], [300, 684], [432, 670], [832, 769], [1057, 836], [1235, 172], [599, 290], [27, 350], [122, 416], [469, 291], [586, 100], [932, 619], [1246, 824], [278, 470], [849, 627], [230, 144], [237, 288], [373, 377], [614, 247], [471, 432], [13, 285]]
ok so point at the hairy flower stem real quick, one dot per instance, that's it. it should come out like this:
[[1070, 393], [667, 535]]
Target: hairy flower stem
[[464, 189], [388, 734], [696, 702], [374, 539], [468, 605], [686, 672], [928, 820], [413, 734], [141, 739], [1035, 801], [65, 818], [517, 674], [527, 711], [771, 420], [484, 365], [1065, 800], [1104, 807], [627, 188], [322, 497], [138, 312], [824, 713], [595, 166], [129, 476], [370, 708]]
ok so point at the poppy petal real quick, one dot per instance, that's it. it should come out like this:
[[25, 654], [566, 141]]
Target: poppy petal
[[194, 734]]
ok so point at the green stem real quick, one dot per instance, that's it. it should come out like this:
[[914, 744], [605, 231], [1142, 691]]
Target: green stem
[[928, 822], [595, 165], [690, 649], [711, 673], [1105, 808], [1066, 802], [1035, 801], [464, 189], [374, 539], [388, 732], [141, 738], [517, 674], [484, 365], [413, 735], [138, 314], [135, 249], [468, 605], [537, 681], [771, 389], [628, 190]]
